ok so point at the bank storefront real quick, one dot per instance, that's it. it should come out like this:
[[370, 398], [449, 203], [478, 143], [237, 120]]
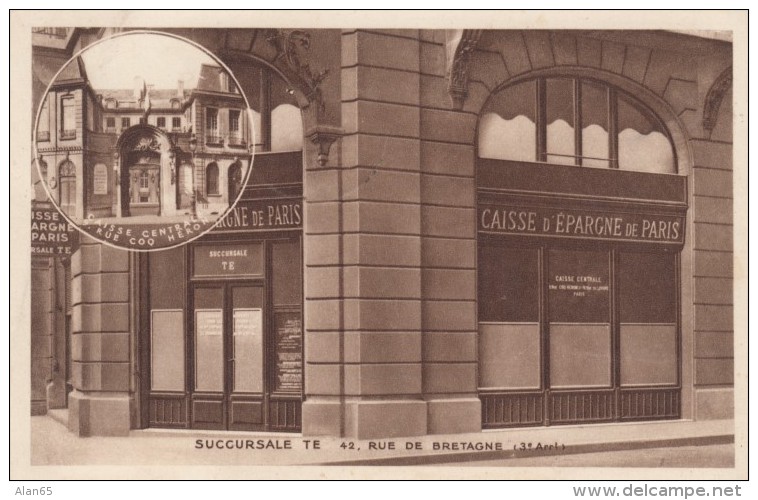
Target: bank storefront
[[508, 229], [578, 260], [221, 318]]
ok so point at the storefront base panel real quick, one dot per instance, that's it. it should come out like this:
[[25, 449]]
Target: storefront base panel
[[321, 418], [56, 394], [385, 419], [91, 415], [714, 404], [454, 416]]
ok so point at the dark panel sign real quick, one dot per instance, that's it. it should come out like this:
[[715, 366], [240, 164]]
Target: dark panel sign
[[289, 352], [263, 215], [578, 286], [52, 234], [583, 224], [227, 260]]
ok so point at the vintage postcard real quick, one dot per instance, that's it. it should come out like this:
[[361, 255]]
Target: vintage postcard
[[416, 245]]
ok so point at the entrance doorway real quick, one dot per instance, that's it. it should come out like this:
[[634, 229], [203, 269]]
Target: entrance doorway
[[227, 344]]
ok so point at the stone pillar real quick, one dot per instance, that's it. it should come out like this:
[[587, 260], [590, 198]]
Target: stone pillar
[[448, 248], [363, 251], [99, 404], [42, 315], [56, 388]]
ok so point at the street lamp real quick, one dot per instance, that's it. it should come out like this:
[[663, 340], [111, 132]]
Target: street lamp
[[193, 148]]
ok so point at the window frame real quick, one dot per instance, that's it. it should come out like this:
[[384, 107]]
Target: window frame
[[212, 180], [613, 95]]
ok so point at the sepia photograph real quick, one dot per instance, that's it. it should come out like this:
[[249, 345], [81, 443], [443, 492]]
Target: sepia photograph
[[406, 250]]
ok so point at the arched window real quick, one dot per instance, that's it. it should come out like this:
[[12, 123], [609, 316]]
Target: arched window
[[275, 114], [574, 122], [67, 187], [211, 179]]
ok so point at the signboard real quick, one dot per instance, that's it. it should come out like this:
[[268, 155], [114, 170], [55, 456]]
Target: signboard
[[582, 224], [289, 351], [100, 179], [227, 260], [209, 322], [263, 215], [52, 234]]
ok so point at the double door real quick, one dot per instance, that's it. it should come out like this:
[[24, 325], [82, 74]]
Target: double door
[[228, 344], [245, 359]]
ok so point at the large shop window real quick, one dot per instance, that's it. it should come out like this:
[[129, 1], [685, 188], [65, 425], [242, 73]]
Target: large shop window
[[509, 346], [574, 122], [578, 268]]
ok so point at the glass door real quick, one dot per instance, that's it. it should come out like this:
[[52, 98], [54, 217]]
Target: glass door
[[227, 328], [580, 341]]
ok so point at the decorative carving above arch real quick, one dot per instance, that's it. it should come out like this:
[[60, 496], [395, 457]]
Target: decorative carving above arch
[[292, 48], [143, 138], [714, 97], [460, 45]]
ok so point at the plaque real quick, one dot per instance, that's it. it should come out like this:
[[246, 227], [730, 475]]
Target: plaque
[[100, 179], [289, 352], [209, 322], [228, 260]]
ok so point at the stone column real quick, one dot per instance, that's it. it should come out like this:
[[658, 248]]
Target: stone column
[[99, 404], [448, 248], [42, 316], [363, 251]]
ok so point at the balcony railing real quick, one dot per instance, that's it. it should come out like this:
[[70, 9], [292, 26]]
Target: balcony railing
[[236, 142], [214, 139], [43, 135], [68, 134]]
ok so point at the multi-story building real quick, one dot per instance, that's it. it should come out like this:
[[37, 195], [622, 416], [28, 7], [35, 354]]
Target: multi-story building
[[143, 151], [471, 230]]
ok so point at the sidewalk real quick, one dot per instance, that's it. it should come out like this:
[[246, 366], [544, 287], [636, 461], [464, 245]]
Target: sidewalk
[[53, 444]]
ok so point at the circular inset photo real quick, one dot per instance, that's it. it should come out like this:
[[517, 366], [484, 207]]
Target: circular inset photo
[[144, 140]]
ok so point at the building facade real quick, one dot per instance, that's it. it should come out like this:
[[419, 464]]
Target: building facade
[[443, 232]]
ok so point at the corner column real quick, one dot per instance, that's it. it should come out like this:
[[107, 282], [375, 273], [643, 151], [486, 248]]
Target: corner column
[[100, 343]]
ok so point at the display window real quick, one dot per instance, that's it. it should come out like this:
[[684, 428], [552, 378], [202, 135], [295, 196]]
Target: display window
[[578, 268]]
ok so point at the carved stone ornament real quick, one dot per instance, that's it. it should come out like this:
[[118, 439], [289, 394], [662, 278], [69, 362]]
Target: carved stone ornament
[[147, 144], [292, 48], [458, 68], [323, 136], [714, 97]]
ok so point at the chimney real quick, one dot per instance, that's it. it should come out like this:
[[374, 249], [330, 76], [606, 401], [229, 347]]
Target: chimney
[[180, 89]]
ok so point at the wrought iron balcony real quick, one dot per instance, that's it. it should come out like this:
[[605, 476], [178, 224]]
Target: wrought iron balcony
[[68, 134]]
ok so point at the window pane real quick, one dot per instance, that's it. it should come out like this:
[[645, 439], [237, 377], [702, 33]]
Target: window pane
[[580, 355], [167, 350], [643, 144], [287, 272], [507, 129], [211, 179], [648, 354], [286, 119], [247, 318], [508, 284], [69, 120], [509, 356], [209, 347], [594, 125], [647, 288], [559, 115]]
